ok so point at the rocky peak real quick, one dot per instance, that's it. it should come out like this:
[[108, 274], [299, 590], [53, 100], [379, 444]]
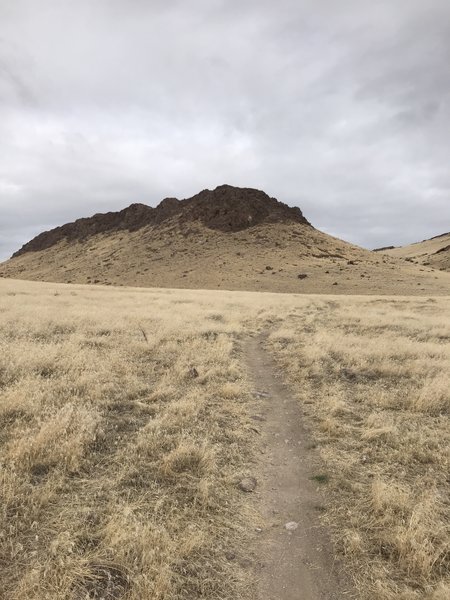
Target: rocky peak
[[229, 208], [225, 208]]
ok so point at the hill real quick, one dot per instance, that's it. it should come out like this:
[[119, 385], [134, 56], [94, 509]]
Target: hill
[[229, 238], [434, 252]]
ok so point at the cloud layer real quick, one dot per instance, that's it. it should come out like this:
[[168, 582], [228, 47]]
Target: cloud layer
[[340, 108]]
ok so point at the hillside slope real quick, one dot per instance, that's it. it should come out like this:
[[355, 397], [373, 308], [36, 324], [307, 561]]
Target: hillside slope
[[228, 238], [434, 252]]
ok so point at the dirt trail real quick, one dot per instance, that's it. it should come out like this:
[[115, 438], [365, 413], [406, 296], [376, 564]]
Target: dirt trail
[[294, 563]]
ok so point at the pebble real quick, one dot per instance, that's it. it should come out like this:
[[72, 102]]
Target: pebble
[[230, 555], [261, 394], [291, 526], [247, 484], [258, 418]]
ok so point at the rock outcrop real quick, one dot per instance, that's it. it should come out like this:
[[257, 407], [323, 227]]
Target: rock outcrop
[[226, 209]]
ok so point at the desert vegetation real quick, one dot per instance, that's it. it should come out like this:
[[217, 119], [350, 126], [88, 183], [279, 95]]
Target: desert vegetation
[[122, 433], [434, 252], [372, 378], [125, 429]]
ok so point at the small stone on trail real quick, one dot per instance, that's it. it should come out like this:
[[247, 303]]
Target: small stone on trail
[[230, 555], [193, 372], [246, 563], [302, 276], [261, 394], [247, 484], [291, 526], [258, 418]]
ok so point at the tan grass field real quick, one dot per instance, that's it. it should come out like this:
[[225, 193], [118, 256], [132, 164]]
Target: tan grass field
[[433, 253], [125, 427]]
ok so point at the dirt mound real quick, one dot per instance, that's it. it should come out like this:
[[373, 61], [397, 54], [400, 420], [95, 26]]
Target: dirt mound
[[226, 209]]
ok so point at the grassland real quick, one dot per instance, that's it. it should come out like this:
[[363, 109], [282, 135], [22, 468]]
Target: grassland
[[372, 377], [125, 427], [434, 253]]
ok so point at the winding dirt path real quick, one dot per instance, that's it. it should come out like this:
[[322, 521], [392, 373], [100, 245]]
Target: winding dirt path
[[294, 562]]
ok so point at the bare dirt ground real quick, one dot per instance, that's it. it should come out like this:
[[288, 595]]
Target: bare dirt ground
[[294, 549]]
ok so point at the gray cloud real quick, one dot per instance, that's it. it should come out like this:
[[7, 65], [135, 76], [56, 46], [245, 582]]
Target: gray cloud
[[341, 108]]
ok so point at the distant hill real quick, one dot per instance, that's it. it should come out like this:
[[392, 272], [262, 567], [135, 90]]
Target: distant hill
[[226, 209], [227, 238], [434, 252]]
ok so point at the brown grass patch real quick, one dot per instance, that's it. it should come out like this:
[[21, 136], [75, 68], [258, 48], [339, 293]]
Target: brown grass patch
[[121, 451], [373, 379]]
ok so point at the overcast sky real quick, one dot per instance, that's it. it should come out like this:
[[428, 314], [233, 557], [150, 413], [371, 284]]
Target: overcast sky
[[341, 107]]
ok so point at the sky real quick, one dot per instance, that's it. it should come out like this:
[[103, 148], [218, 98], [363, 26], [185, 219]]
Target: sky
[[339, 107]]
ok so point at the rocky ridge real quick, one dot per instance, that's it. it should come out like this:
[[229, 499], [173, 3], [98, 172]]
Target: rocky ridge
[[225, 209]]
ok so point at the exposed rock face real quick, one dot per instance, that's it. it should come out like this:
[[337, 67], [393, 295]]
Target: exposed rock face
[[444, 249], [131, 218], [442, 235], [226, 209], [230, 208], [383, 248]]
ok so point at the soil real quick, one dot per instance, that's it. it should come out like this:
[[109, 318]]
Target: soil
[[293, 550]]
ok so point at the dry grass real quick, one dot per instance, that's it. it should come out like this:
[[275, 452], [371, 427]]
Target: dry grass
[[373, 379], [434, 252], [124, 429]]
